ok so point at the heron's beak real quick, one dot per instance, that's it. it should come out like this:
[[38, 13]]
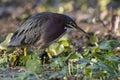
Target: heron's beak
[[79, 29]]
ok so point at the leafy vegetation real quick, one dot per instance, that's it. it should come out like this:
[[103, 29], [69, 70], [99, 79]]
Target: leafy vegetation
[[96, 62]]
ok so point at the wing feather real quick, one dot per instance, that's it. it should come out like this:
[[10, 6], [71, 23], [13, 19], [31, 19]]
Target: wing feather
[[30, 31]]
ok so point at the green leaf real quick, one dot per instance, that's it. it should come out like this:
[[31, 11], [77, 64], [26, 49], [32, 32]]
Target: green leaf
[[53, 75], [95, 49], [66, 37], [85, 60], [64, 43], [33, 65], [83, 64], [52, 48], [87, 71], [64, 70], [60, 49], [13, 59], [108, 44], [4, 44], [93, 39], [58, 62], [105, 67], [55, 48], [115, 59], [73, 56]]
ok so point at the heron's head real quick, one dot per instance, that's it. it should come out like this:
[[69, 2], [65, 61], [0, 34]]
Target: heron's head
[[71, 24]]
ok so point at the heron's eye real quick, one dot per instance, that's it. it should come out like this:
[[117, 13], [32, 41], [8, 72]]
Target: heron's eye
[[71, 24]]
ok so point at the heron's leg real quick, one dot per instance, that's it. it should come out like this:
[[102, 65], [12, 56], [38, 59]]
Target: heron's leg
[[49, 55], [44, 56], [25, 51]]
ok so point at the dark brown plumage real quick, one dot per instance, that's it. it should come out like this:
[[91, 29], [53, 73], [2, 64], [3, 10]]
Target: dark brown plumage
[[42, 29]]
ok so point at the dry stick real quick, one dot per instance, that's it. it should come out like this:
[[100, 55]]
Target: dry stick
[[116, 20], [101, 22], [111, 23]]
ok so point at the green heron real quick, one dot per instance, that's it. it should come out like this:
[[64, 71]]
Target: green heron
[[42, 29]]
